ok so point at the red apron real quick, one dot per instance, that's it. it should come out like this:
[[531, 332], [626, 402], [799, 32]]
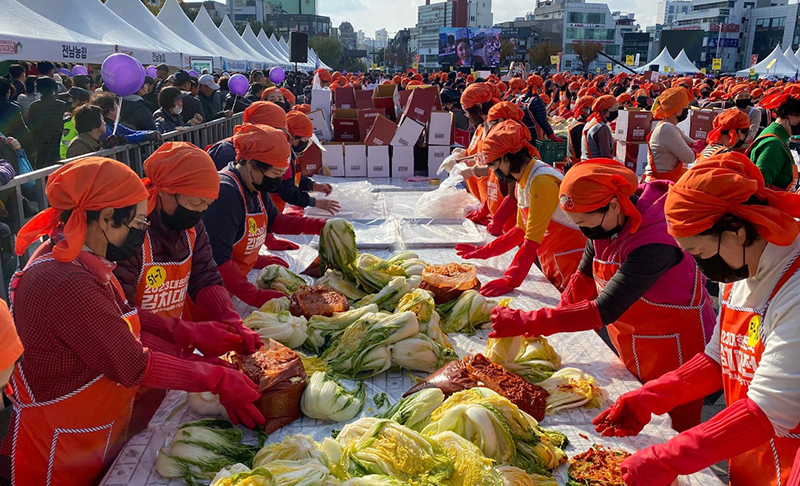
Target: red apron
[[672, 175], [73, 439], [494, 196], [245, 251], [741, 346], [162, 286], [653, 339], [563, 243], [788, 153], [476, 185], [574, 156]]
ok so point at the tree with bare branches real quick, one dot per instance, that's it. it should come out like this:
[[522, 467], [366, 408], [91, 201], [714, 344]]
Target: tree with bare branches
[[541, 52], [587, 52]]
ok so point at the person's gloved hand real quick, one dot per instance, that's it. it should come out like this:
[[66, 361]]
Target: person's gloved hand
[[626, 417], [266, 260], [497, 287], [277, 244], [251, 341], [547, 321], [479, 216], [501, 245], [580, 287], [555, 138], [506, 322], [209, 337], [504, 213], [698, 146]]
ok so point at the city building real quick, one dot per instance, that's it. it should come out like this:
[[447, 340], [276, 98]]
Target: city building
[[770, 26], [668, 10], [399, 54], [523, 33], [381, 38], [295, 7], [451, 13], [348, 36], [314, 25], [216, 10], [335, 33]]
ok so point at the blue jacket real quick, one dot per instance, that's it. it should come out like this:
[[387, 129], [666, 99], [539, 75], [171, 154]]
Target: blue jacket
[[132, 136]]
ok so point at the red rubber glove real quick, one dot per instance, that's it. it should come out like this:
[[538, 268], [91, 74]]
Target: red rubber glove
[[479, 216], [580, 287], [215, 301], [264, 260], [507, 209], [211, 338], [286, 224], [735, 430], [516, 273], [238, 285], [698, 378], [501, 245], [236, 391], [583, 316], [794, 477], [698, 146], [155, 343], [276, 244], [555, 138]]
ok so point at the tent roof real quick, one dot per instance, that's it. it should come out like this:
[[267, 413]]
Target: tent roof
[[684, 65], [250, 38], [229, 31], [205, 25], [267, 43], [781, 67], [789, 55], [30, 36], [284, 46], [92, 18], [797, 54], [141, 18], [663, 59]]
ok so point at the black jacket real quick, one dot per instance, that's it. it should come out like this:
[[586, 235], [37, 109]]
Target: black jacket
[[192, 106], [136, 113], [241, 103], [168, 122], [48, 117], [209, 112]]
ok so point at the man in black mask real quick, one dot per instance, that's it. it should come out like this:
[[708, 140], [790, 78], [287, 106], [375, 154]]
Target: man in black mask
[[741, 100]]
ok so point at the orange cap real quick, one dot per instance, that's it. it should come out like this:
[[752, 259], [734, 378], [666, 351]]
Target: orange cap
[[265, 113], [303, 108], [324, 75], [507, 137], [268, 91], [723, 184], [595, 183], [89, 184], [729, 120], [288, 95], [299, 124], [583, 102], [181, 168], [261, 143], [624, 97]]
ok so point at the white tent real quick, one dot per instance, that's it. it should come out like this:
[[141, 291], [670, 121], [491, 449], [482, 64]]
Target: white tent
[[789, 55], [780, 67], [797, 54], [30, 36], [262, 37], [141, 18], [250, 38], [229, 31], [684, 65], [205, 25], [284, 47], [321, 62], [663, 60], [93, 19]]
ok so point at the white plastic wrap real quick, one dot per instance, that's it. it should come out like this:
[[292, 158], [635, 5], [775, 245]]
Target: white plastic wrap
[[357, 201], [447, 201], [439, 233]]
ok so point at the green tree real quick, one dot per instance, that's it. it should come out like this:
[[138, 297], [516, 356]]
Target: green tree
[[587, 52], [541, 52], [330, 51], [507, 50], [356, 64]]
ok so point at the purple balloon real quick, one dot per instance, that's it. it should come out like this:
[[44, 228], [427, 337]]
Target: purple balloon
[[192, 72], [80, 70], [151, 71], [64, 72], [238, 84], [122, 74], [277, 75]]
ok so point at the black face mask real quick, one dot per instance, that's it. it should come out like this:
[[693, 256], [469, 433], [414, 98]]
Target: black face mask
[[738, 144], [601, 85], [301, 147], [641, 101], [269, 184], [612, 115], [504, 178], [705, 94], [715, 268], [132, 243], [182, 218], [742, 104], [796, 129], [598, 232], [682, 115]]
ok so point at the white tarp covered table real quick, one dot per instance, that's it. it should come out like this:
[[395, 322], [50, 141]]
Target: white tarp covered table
[[135, 465]]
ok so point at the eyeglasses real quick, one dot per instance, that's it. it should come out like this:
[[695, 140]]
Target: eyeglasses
[[143, 224]]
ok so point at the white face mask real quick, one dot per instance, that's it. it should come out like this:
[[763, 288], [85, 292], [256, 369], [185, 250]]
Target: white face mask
[[177, 110]]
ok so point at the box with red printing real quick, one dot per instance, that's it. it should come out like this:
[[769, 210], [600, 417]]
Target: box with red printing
[[419, 105], [701, 122], [633, 125], [345, 125], [345, 98], [364, 99], [366, 118], [437, 102], [461, 137], [387, 97], [311, 161], [382, 132], [632, 155]]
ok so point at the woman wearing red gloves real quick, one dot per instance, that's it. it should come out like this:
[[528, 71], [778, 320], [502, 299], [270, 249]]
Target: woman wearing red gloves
[[542, 228], [477, 100], [84, 359], [238, 222], [746, 236], [652, 296]]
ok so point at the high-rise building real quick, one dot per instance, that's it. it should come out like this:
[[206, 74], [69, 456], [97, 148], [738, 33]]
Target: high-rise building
[[348, 36], [451, 13], [306, 7], [381, 38], [668, 10]]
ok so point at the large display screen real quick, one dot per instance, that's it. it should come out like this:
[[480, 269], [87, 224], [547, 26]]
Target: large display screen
[[464, 47]]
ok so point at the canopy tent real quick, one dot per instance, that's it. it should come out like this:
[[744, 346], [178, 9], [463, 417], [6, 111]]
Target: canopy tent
[[250, 38], [262, 37], [797, 54], [321, 62], [789, 55], [93, 19], [684, 65], [141, 18], [229, 31], [284, 48], [777, 62], [663, 60], [30, 36], [205, 25], [172, 16]]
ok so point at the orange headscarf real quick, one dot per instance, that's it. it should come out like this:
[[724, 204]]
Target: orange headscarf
[[574, 86], [590, 185], [670, 102], [757, 93], [722, 184], [180, 168], [558, 78], [476, 94], [88, 184], [739, 88], [516, 85], [624, 97], [303, 108], [535, 81], [265, 113], [324, 75], [507, 137], [583, 102], [299, 124], [545, 99], [601, 104], [288, 96], [269, 90], [261, 143], [729, 120], [780, 97], [505, 110]]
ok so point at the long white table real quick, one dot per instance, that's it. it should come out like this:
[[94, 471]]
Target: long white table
[[135, 465]]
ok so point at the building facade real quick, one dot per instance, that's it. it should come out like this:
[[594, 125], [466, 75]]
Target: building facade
[[451, 13], [770, 26], [381, 39], [669, 10], [313, 25], [347, 35]]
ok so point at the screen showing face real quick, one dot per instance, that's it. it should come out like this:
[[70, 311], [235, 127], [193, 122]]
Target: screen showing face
[[462, 47]]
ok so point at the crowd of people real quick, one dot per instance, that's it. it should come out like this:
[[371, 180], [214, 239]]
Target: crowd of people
[[631, 254]]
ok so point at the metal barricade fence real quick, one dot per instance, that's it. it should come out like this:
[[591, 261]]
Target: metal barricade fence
[[22, 207]]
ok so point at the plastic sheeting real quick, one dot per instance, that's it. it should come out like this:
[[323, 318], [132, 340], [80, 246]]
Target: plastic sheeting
[[357, 200]]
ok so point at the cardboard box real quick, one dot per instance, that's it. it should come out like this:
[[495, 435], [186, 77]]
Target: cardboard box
[[402, 161], [437, 101], [355, 160], [345, 98], [403, 97], [633, 125], [382, 132], [333, 158], [633, 155], [419, 105], [378, 161], [461, 137], [321, 100], [436, 155], [364, 99], [387, 97], [366, 118], [407, 133], [322, 127], [345, 125], [440, 128], [311, 161], [701, 123]]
